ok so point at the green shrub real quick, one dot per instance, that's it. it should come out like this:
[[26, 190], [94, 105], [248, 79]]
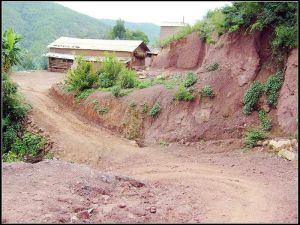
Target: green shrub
[[253, 135], [183, 94], [30, 144], [9, 137], [84, 94], [14, 111], [105, 81], [14, 106], [81, 77], [109, 72], [10, 157], [212, 67], [251, 97], [155, 110], [272, 88], [207, 91], [254, 16], [285, 37], [127, 78], [265, 123], [116, 91], [190, 79]]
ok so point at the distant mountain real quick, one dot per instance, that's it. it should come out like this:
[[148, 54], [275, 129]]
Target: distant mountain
[[40, 23]]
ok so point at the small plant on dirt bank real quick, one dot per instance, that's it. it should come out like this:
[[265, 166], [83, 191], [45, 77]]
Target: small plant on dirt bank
[[164, 143], [183, 94], [212, 67], [98, 108], [145, 107], [190, 79], [272, 88], [265, 122], [128, 78], [82, 77], [253, 135], [29, 145], [116, 91], [84, 94], [251, 97], [155, 110], [207, 91], [49, 156], [109, 72]]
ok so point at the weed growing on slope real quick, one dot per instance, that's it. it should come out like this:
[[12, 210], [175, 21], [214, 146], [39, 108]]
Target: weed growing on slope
[[183, 94], [155, 110], [212, 67], [251, 97], [190, 79], [207, 91], [265, 122], [253, 135], [272, 88]]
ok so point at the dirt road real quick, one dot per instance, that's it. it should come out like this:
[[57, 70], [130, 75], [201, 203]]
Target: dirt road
[[207, 182]]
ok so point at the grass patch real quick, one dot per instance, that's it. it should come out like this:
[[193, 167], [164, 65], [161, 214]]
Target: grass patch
[[183, 94]]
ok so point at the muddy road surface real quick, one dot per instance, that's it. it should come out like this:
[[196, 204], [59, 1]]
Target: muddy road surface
[[206, 182]]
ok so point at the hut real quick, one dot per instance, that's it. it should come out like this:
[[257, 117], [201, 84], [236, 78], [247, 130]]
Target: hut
[[62, 52]]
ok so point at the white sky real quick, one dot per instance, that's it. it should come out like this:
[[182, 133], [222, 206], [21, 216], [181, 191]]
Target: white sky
[[151, 12]]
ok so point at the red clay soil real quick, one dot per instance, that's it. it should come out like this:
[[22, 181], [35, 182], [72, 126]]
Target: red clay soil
[[288, 98], [205, 182]]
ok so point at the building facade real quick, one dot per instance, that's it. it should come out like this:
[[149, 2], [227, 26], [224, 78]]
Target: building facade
[[170, 28], [62, 52]]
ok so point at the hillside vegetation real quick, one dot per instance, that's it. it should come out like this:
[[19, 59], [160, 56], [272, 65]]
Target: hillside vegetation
[[40, 23], [281, 17]]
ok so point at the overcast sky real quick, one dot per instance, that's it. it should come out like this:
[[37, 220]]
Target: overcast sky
[[152, 12]]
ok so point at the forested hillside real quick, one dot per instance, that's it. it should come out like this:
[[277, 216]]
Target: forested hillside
[[40, 23]]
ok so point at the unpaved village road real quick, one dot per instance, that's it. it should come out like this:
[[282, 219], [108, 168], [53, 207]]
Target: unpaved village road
[[219, 181]]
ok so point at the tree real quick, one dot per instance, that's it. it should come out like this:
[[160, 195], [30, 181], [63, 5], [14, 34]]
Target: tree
[[137, 35], [119, 31], [11, 52]]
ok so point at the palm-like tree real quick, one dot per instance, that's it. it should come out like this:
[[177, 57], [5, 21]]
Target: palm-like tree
[[11, 52]]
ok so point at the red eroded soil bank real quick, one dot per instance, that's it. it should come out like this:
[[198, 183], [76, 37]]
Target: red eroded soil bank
[[241, 59]]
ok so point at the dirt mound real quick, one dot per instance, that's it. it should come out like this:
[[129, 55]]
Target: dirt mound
[[37, 194], [288, 98]]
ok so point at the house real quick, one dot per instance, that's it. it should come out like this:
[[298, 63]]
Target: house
[[62, 52], [170, 28]]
